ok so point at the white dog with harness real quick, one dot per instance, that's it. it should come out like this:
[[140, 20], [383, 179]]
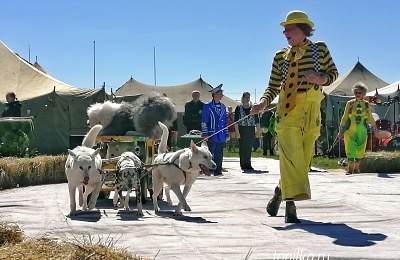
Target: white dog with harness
[[179, 168]]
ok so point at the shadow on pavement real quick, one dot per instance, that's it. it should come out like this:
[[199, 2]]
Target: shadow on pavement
[[254, 171], [129, 215], [384, 175], [170, 214], [342, 233], [87, 216]]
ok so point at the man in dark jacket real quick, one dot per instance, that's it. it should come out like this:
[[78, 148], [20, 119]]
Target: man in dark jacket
[[12, 108], [193, 112]]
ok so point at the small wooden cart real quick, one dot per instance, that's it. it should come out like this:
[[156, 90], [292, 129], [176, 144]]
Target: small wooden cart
[[140, 145]]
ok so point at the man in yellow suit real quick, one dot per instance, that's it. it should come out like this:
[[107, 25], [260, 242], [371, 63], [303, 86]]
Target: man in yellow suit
[[298, 73]]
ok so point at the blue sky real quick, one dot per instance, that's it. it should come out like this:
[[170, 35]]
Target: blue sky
[[230, 42]]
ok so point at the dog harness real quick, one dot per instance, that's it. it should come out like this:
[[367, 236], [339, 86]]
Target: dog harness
[[174, 164]]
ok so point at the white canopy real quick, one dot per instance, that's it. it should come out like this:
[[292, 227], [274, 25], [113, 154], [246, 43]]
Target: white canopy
[[179, 94], [342, 86], [26, 80]]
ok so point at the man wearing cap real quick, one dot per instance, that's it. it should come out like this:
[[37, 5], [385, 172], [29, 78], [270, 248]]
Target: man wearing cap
[[214, 126], [298, 73]]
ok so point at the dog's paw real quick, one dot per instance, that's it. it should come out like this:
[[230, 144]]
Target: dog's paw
[[140, 214], [178, 214], [187, 208], [169, 202]]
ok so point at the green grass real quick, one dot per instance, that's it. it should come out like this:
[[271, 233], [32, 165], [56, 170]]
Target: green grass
[[318, 161]]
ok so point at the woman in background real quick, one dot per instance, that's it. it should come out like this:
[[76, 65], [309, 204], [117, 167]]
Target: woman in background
[[246, 131]]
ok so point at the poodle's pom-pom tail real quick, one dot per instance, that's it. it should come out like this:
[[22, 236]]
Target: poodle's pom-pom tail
[[151, 108]]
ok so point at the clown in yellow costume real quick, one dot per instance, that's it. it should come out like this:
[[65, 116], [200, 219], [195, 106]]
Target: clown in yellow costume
[[353, 126], [298, 73]]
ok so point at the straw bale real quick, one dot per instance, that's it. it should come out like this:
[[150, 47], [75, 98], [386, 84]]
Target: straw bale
[[22, 172], [381, 162]]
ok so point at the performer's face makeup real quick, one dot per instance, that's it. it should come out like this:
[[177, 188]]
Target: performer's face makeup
[[359, 94], [294, 35]]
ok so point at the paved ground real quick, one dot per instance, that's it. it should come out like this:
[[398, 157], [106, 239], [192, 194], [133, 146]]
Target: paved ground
[[349, 217]]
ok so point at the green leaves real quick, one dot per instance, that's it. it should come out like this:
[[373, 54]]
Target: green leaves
[[14, 142]]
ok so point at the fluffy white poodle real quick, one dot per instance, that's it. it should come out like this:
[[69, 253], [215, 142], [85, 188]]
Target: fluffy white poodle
[[142, 115]]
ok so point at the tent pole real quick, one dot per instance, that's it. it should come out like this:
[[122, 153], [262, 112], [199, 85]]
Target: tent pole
[[155, 73], [94, 64]]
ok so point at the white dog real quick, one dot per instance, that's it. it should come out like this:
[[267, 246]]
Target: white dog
[[179, 168], [128, 176], [82, 168]]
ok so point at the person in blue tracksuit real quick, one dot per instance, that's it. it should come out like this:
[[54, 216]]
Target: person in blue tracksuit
[[214, 119]]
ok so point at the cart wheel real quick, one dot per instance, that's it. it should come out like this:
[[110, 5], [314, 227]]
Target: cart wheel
[[160, 196], [143, 186], [104, 195], [151, 192]]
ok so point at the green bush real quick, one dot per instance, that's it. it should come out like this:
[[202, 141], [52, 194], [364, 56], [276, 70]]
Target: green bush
[[14, 143]]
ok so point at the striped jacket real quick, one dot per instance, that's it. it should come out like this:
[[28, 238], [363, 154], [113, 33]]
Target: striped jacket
[[326, 67], [214, 119]]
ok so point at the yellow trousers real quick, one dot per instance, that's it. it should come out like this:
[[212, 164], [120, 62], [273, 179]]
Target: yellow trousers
[[297, 133]]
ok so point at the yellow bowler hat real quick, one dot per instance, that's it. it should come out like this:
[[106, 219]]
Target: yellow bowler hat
[[297, 17]]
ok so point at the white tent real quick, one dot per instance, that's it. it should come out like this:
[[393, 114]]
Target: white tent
[[339, 92], [24, 79], [342, 86], [59, 109], [388, 90], [389, 95], [179, 94]]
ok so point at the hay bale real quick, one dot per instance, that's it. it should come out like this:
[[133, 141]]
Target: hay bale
[[10, 234], [37, 170], [381, 162]]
